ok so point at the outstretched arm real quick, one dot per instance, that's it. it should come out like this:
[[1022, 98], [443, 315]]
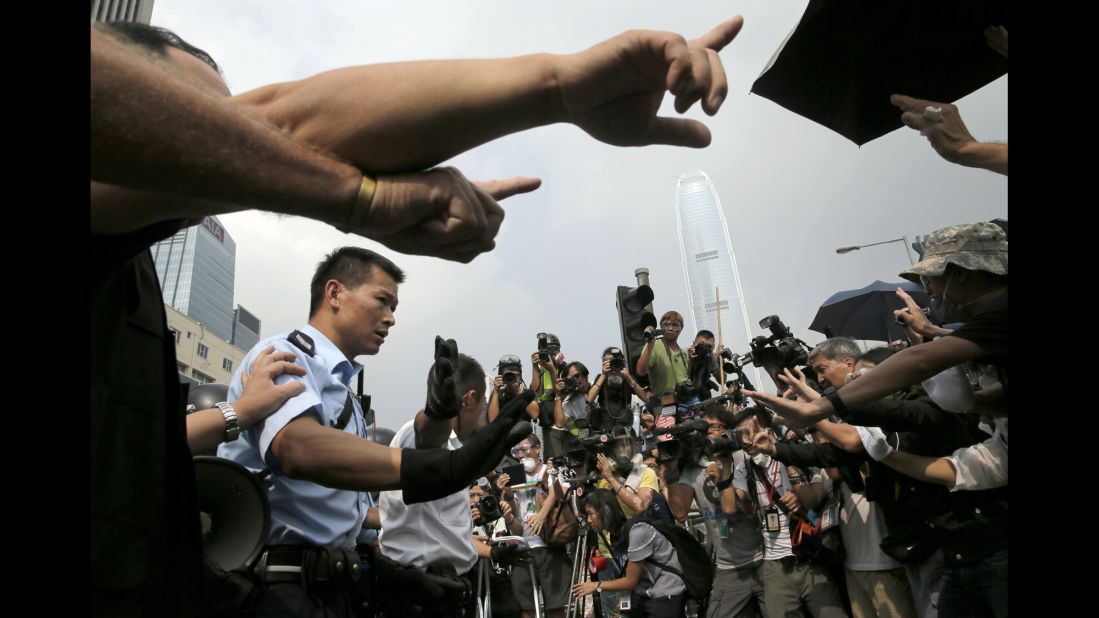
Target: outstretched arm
[[412, 115]]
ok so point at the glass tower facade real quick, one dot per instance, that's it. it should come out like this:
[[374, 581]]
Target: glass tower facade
[[196, 271], [709, 265]]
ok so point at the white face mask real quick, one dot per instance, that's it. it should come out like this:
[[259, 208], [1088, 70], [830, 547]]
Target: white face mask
[[762, 459], [951, 390], [529, 464]]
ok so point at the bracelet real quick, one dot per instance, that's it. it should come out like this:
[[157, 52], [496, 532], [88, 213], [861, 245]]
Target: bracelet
[[837, 403], [723, 485], [362, 203], [232, 427]]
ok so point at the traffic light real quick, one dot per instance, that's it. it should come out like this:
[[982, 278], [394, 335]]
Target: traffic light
[[634, 315]]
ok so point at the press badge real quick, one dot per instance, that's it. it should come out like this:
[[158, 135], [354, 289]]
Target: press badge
[[772, 521], [830, 516]]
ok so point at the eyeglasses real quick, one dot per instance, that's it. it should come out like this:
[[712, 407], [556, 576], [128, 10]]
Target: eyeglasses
[[925, 281], [667, 323], [522, 449], [716, 427]]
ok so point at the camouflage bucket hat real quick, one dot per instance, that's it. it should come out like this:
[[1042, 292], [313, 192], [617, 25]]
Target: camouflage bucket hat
[[972, 246]]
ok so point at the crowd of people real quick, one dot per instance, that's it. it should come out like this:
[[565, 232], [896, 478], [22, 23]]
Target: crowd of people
[[874, 484]]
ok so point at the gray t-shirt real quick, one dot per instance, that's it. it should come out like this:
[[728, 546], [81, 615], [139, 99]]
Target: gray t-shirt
[[741, 545], [650, 548]]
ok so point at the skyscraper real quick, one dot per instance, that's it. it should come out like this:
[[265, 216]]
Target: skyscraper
[[122, 10], [245, 328], [709, 265], [196, 272]]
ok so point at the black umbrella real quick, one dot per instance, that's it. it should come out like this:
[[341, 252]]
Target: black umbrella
[[866, 313], [844, 59]]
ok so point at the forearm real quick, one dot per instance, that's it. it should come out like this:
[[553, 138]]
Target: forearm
[[992, 157], [903, 369], [431, 432], [593, 392], [728, 500], [205, 429], [153, 132], [627, 582], [493, 406], [844, 436], [409, 116], [918, 414], [642, 367], [558, 413], [483, 550], [936, 470], [306, 450], [816, 455]]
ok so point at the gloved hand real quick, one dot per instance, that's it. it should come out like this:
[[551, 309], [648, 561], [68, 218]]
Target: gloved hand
[[430, 474], [875, 442], [442, 395], [506, 553], [393, 581]]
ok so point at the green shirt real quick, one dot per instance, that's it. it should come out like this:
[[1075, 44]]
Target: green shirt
[[666, 368]]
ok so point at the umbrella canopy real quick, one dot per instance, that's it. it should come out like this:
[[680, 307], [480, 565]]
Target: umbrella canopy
[[845, 57], [866, 313]]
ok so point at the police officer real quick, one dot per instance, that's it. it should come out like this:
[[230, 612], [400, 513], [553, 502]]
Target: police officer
[[316, 448]]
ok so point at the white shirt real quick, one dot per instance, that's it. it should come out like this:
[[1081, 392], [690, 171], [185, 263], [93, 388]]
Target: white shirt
[[984, 465], [419, 534]]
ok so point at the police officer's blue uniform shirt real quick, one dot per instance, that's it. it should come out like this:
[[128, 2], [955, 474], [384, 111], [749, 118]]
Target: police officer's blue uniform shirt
[[303, 511]]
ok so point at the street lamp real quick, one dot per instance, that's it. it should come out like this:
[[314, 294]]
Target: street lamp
[[902, 239]]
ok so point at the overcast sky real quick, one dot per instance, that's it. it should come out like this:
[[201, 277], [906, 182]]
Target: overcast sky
[[792, 191]]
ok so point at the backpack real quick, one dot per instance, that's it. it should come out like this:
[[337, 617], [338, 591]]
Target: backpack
[[698, 568]]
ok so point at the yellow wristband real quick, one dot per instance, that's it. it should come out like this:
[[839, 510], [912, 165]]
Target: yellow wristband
[[362, 203]]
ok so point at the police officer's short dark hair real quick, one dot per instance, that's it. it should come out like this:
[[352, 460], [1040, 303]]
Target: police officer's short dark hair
[[470, 376], [155, 39], [351, 266]]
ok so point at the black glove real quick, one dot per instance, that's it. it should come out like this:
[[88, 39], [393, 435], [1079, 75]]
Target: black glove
[[393, 581], [442, 395], [506, 553], [430, 474]]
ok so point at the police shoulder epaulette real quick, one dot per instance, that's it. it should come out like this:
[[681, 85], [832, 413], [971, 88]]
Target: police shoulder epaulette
[[303, 342]]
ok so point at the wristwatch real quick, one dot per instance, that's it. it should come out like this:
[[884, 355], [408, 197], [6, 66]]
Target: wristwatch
[[232, 428], [599, 587]]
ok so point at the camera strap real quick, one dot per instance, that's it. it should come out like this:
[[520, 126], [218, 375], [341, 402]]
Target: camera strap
[[671, 363]]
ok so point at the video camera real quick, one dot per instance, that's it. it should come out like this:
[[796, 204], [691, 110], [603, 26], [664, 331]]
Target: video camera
[[779, 351]]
